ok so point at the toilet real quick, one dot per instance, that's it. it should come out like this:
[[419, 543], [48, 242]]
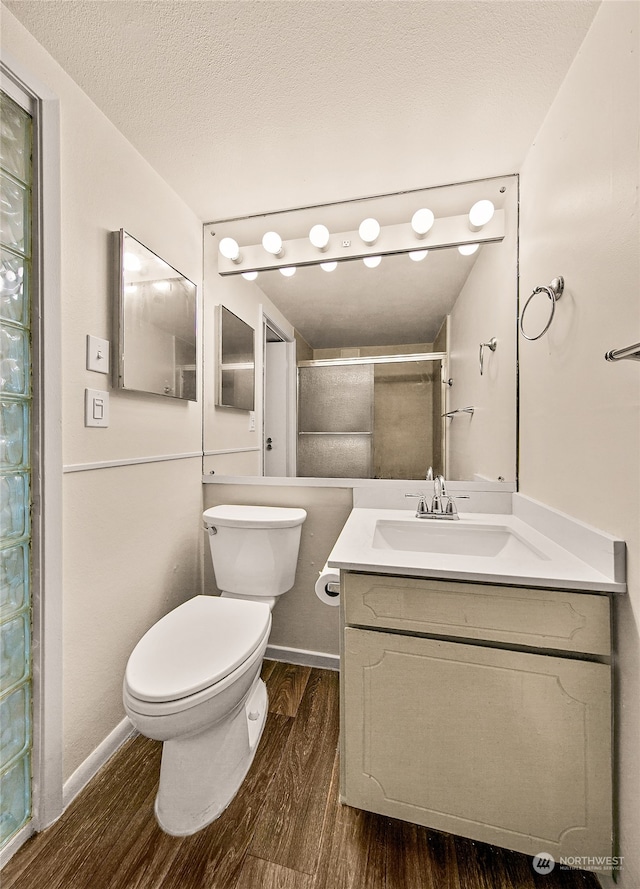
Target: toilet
[[193, 680]]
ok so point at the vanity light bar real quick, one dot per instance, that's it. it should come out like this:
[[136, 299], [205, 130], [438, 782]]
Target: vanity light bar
[[447, 231]]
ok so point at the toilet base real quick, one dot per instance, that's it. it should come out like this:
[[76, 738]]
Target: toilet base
[[201, 774]]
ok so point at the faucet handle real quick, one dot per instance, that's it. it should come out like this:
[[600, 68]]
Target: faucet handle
[[451, 508], [423, 507]]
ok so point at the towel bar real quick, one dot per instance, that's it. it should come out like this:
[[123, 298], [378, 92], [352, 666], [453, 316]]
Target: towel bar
[[459, 410], [632, 352]]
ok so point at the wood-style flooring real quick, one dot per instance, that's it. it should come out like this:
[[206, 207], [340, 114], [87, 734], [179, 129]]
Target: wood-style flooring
[[284, 830]]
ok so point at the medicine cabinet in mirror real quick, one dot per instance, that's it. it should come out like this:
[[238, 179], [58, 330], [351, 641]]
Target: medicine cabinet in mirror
[[236, 362], [155, 324]]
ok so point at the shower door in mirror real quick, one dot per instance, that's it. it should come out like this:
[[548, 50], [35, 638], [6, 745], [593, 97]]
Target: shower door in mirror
[[371, 418], [15, 468], [335, 421]]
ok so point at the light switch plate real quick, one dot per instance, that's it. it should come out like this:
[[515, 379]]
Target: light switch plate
[[97, 354], [96, 407]]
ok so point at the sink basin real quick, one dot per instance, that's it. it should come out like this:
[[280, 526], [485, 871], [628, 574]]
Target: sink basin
[[430, 536]]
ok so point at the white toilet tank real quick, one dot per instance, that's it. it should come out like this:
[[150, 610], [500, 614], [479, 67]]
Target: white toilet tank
[[254, 548]]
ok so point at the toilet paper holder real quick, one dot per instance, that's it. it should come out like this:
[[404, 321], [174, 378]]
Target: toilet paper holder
[[327, 586]]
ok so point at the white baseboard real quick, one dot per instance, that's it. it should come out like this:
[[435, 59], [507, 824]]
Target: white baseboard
[[303, 657], [94, 762]]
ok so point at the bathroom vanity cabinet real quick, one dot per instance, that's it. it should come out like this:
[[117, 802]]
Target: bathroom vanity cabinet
[[480, 710]]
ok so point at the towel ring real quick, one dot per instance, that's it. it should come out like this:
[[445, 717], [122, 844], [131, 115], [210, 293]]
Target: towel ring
[[554, 292]]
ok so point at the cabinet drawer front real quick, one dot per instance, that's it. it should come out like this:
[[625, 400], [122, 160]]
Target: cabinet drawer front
[[552, 619], [505, 747]]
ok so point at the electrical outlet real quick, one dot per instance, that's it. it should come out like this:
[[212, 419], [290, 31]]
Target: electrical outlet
[[252, 421]]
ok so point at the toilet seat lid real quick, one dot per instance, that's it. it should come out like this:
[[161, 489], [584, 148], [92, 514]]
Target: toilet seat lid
[[195, 646]]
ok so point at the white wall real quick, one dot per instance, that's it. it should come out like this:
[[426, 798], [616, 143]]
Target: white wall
[[580, 415], [130, 534]]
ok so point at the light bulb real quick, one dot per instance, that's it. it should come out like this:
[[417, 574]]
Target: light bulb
[[272, 243], [468, 249], [250, 276], [229, 249], [131, 262], [372, 261], [481, 213], [319, 236], [417, 255], [369, 230], [328, 266], [288, 271], [421, 221]]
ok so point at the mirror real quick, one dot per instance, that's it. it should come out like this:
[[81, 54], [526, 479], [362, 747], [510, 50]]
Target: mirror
[[155, 324], [426, 318], [236, 362]]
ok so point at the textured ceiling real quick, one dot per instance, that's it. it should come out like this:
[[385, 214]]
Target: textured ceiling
[[250, 106], [253, 106]]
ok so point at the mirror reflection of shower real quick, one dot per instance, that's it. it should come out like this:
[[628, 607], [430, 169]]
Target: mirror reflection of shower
[[377, 416]]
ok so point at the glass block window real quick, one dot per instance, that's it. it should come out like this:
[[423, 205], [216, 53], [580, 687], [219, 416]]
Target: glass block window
[[16, 165]]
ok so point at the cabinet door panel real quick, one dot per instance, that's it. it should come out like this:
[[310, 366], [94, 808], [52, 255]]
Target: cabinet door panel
[[504, 747], [554, 619]]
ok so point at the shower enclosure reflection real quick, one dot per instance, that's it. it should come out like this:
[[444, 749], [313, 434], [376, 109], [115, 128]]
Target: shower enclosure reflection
[[366, 418]]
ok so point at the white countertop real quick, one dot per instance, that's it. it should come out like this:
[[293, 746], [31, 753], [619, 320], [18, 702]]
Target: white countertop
[[547, 564]]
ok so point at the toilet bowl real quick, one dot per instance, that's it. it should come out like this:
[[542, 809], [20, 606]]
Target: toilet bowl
[[193, 680]]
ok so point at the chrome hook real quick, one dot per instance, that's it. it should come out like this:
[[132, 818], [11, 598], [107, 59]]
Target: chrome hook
[[493, 342]]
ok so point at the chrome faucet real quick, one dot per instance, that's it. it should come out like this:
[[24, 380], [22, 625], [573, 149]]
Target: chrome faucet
[[442, 505], [439, 493]]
